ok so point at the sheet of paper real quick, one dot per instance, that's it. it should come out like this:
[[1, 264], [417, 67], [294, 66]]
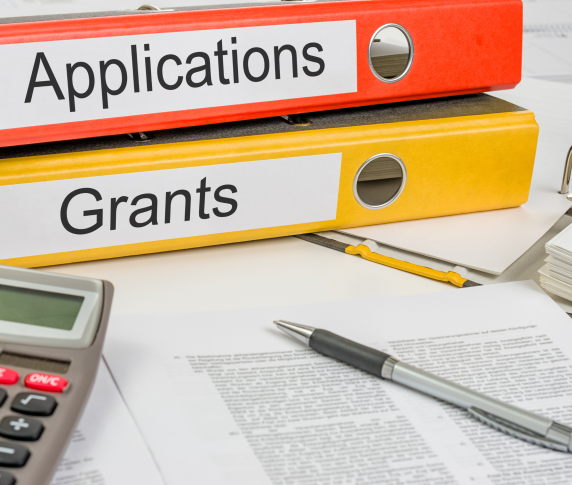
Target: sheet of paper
[[224, 397], [492, 241], [107, 448], [547, 39]]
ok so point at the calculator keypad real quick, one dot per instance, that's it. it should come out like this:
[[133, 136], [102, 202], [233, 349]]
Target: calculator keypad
[[27, 402], [13, 455], [34, 404], [19, 428], [6, 478]]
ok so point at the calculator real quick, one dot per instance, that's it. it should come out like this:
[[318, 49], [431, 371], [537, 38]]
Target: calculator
[[52, 329]]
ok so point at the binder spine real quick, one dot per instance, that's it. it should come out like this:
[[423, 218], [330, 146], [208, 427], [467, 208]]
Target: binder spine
[[114, 202], [122, 73]]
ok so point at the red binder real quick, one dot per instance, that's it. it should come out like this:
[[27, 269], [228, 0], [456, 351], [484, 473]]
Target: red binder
[[132, 71]]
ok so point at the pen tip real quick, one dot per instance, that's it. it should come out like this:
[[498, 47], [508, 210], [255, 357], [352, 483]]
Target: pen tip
[[300, 332]]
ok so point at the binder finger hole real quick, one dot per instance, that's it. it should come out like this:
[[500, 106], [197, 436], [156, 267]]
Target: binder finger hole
[[380, 181], [391, 53]]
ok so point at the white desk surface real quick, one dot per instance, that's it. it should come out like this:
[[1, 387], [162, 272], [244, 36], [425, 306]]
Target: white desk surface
[[260, 273]]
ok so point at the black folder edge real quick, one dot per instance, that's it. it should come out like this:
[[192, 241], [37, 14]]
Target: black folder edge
[[438, 108]]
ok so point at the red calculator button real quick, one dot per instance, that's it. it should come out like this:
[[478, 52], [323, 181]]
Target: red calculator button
[[8, 376], [45, 382]]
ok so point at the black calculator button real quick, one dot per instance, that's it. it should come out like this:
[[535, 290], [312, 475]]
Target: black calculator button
[[6, 478], [34, 404], [13, 455], [3, 396], [18, 428]]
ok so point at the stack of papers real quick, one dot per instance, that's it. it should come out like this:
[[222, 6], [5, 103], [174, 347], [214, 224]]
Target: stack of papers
[[556, 274]]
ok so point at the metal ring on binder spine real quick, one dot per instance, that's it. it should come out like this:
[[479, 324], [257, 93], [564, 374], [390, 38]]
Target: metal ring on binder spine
[[152, 8], [395, 196], [403, 30]]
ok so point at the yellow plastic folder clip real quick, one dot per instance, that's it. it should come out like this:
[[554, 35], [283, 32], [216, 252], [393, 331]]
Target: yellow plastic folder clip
[[450, 277], [366, 253]]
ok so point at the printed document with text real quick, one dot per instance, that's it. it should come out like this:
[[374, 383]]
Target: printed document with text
[[225, 397], [106, 448]]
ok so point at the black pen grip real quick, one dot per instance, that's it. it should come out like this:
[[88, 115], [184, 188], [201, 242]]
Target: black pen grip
[[360, 356]]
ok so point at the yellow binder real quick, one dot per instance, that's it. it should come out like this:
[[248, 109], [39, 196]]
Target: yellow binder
[[124, 195]]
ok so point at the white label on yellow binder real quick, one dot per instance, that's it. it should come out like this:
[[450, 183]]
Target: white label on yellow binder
[[64, 81], [110, 210]]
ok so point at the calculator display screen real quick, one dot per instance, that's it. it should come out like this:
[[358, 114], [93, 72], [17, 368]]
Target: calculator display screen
[[41, 308]]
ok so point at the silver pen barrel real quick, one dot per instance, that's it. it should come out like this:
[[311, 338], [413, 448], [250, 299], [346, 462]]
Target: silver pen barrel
[[504, 417], [501, 416], [438, 387]]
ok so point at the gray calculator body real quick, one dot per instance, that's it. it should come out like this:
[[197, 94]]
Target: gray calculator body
[[52, 329]]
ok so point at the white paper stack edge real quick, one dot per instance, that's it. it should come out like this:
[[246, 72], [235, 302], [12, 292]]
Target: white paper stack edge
[[556, 274]]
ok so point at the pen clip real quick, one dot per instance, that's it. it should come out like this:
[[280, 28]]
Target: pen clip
[[518, 431]]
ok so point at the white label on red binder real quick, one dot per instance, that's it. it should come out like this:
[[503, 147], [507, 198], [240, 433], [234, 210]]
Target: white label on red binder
[[44, 83], [111, 210]]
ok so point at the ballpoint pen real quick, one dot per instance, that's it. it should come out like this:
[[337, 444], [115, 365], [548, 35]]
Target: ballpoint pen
[[504, 417]]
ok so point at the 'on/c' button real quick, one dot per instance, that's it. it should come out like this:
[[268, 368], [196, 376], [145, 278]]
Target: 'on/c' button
[[45, 382]]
